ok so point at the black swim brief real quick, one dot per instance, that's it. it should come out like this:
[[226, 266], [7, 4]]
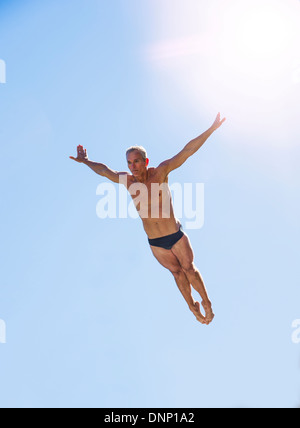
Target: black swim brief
[[167, 242]]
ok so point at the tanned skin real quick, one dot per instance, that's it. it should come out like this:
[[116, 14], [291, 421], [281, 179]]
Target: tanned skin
[[180, 259]]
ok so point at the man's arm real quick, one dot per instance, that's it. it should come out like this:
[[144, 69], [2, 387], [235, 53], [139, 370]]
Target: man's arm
[[191, 148], [98, 168]]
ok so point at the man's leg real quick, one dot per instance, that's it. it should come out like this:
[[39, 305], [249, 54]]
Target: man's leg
[[184, 253], [168, 260]]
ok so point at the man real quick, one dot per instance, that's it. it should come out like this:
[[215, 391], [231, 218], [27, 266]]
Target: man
[[169, 244]]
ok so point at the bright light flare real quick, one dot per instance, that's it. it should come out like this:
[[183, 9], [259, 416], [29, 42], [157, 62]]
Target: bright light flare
[[261, 39], [265, 31], [242, 59]]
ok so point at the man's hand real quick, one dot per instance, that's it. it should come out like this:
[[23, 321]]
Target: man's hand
[[81, 155], [218, 122]]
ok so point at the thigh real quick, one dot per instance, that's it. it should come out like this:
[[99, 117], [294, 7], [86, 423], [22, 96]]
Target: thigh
[[166, 258], [183, 251]]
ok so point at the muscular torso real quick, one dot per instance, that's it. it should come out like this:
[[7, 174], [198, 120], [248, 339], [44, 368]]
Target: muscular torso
[[154, 204]]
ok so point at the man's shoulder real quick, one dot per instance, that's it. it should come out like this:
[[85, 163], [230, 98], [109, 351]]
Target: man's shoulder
[[152, 170], [158, 174]]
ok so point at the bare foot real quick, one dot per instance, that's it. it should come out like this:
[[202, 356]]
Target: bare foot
[[197, 312], [209, 315]]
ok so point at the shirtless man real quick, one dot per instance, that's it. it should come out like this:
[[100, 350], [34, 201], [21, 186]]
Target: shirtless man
[[169, 244]]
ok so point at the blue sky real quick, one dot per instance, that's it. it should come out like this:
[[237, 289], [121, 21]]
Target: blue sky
[[92, 320]]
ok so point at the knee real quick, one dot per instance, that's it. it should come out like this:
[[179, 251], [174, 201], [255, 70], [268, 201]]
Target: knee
[[189, 269], [177, 271]]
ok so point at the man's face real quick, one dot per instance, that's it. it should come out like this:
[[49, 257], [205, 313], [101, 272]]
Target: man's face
[[136, 163]]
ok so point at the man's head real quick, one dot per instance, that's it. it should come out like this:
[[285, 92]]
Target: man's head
[[137, 160]]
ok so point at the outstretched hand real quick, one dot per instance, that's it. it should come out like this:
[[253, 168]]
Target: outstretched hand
[[81, 155], [218, 122]]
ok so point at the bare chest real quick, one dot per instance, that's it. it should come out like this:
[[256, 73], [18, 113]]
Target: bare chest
[[152, 199]]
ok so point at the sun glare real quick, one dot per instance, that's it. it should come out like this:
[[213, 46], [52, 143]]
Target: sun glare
[[264, 32], [261, 37], [243, 58]]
